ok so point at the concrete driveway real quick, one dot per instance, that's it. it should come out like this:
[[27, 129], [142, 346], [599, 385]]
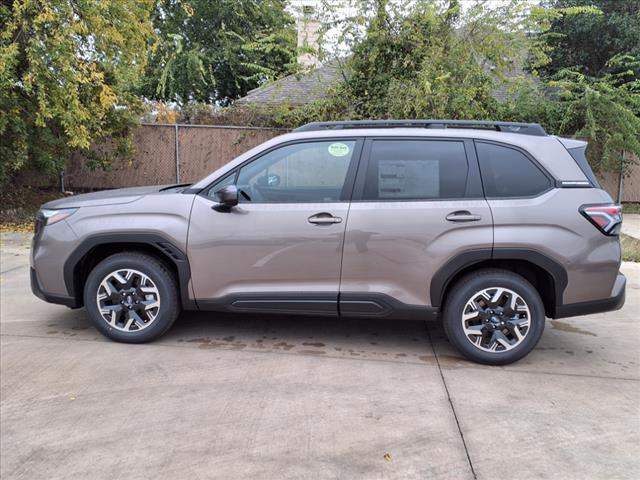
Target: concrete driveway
[[225, 396], [631, 225]]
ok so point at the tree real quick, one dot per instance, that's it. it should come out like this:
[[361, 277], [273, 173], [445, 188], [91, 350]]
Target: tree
[[66, 72], [603, 110], [430, 59], [594, 70], [215, 52], [428, 68], [587, 42]]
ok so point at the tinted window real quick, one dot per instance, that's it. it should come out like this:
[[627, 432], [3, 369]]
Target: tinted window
[[416, 169], [506, 172], [304, 172]]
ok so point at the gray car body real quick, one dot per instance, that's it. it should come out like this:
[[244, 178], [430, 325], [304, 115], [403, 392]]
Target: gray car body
[[382, 257]]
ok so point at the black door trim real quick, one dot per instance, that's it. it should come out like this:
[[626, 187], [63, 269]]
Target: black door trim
[[380, 305], [301, 303], [348, 304]]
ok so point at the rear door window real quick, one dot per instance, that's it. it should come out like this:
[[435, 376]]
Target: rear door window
[[509, 173], [416, 170]]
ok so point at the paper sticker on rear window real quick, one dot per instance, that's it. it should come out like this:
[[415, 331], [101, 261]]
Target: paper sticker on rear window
[[338, 149]]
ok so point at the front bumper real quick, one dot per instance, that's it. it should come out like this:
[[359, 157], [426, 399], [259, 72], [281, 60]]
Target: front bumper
[[47, 297], [614, 302]]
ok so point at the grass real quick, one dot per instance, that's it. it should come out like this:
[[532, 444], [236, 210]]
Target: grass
[[630, 207], [18, 207], [630, 248]]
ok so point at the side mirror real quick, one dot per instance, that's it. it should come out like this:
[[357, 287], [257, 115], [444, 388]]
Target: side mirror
[[227, 197]]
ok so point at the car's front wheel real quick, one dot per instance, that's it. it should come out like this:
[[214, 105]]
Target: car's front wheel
[[494, 317], [131, 297]]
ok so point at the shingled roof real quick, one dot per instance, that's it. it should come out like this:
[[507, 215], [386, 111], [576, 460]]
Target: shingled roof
[[296, 89], [302, 89]]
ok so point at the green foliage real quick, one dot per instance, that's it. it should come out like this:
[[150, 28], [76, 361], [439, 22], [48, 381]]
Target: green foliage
[[66, 69], [588, 42], [594, 73], [604, 110], [426, 69], [431, 59], [217, 51], [427, 59]]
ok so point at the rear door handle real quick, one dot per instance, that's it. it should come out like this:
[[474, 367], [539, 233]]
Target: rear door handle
[[462, 216], [324, 218]]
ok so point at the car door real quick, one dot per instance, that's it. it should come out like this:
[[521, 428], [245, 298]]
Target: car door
[[417, 205], [280, 248]]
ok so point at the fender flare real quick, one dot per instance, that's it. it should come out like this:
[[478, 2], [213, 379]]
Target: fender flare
[[442, 278], [162, 245]]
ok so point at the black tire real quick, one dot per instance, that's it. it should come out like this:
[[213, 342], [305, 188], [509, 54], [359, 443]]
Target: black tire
[[157, 272], [462, 292]]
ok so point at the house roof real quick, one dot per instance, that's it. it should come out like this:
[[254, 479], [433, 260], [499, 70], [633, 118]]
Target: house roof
[[302, 89], [296, 89]]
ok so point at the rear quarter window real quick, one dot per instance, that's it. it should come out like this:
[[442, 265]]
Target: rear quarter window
[[579, 155], [508, 173]]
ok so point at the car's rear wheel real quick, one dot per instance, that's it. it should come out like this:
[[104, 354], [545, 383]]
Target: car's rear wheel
[[494, 317], [131, 297]]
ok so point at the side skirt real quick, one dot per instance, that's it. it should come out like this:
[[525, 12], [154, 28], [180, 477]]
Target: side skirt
[[369, 305]]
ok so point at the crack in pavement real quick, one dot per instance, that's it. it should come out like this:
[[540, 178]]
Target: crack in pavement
[[453, 410], [14, 268]]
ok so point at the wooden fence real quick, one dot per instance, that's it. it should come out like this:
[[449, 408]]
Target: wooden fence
[[185, 153]]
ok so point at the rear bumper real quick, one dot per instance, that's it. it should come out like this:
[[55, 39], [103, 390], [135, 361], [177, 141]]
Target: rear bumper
[[614, 302], [59, 299]]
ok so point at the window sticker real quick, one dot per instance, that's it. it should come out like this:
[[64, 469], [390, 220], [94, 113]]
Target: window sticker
[[338, 149], [409, 178]]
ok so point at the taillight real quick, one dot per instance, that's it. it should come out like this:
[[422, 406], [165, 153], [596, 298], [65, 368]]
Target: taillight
[[606, 218]]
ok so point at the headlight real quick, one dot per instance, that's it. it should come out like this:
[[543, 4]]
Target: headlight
[[54, 216]]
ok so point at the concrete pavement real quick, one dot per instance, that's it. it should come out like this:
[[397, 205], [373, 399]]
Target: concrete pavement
[[224, 396], [631, 225]]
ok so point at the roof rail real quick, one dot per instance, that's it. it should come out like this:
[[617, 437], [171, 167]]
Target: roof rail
[[509, 127]]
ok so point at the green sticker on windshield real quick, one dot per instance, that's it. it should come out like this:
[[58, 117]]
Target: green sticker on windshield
[[338, 149]]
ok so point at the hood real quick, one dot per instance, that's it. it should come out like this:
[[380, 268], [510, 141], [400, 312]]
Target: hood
[[112, 197]]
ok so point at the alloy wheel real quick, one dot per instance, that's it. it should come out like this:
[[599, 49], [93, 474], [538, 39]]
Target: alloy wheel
[[128, 300], [496, 319]]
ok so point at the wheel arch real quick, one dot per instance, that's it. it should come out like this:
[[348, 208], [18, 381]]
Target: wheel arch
[[547, 276], [96, 248]]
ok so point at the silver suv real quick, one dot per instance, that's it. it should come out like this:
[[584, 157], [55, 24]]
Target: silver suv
[[490, 226]]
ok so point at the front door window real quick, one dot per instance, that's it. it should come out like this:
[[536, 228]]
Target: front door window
[[310, 172]]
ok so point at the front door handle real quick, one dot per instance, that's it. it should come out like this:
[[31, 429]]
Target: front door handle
[[324, 218], [462, 216]]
